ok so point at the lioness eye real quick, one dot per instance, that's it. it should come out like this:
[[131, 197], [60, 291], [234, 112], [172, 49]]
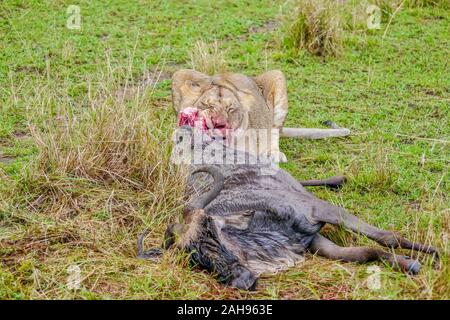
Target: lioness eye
[[195, 85], [231, 109]]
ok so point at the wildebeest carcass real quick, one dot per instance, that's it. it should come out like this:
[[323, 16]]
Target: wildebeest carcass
[[251, 217]]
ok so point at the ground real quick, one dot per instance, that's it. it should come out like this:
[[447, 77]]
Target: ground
[[391, 87]]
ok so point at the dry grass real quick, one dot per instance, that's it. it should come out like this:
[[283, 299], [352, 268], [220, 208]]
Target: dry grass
[[359, 9], [102, 174], [357, 12], [110, 143], [426, 3], [316, 26], [207, 58]]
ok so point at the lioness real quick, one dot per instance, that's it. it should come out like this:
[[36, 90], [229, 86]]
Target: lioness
[[232, 103]]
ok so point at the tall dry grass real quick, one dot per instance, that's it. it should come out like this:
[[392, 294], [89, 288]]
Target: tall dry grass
[[108, 140], [445, 4], [316, 26], [208, 58], [101, 175], [357, 12]]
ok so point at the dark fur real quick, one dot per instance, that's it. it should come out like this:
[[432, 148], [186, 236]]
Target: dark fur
[[264, 222]]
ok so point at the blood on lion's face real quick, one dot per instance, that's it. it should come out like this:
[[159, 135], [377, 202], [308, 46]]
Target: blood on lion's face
[[217, 110]]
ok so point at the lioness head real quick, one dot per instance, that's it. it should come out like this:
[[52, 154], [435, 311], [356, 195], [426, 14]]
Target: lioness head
[[229, 102]]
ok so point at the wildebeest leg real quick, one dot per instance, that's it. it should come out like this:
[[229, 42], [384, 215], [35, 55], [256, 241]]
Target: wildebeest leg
[[333, 182], [326, 248], [155, 253], [339, 216], [242, 278]]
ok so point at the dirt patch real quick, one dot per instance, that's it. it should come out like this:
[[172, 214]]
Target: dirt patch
[[5, 158], [431, 92], [21, 135], [415, 205], [339, 292], [14, 251], [29, 69], [266, 27]]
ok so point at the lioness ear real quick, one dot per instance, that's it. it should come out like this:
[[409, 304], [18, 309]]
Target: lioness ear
[[187, 87], [274, 89]]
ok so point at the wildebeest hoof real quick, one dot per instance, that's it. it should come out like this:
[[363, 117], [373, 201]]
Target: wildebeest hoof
[[412, 266], [242, 278], [152, 254]]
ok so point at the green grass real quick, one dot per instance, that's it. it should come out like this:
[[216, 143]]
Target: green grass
[[392, 91]]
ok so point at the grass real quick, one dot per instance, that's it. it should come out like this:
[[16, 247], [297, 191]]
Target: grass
[[316, 26], [85, 127], [427, 3], [208, 59]]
